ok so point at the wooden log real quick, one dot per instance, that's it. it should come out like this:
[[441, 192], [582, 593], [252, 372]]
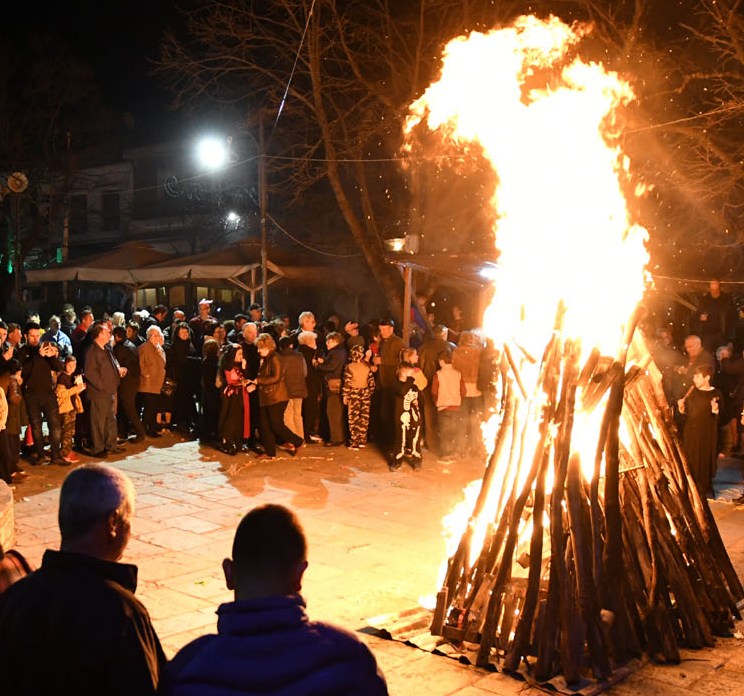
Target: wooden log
[[697, 632], [486, 565], [647, 584], [515, 371], [690, 536], [549, 644], [504, 569], [521, 641], [589, 369], [580, 527], [605, 376], [572, 635], [700, 562], [550, 381], [612, 562], [458, 564]]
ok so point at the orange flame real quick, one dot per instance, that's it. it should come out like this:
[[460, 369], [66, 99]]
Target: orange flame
[[548, 123], [563, 231]]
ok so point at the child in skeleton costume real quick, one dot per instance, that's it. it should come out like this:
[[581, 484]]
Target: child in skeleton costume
[[359, 384], [407, 420]]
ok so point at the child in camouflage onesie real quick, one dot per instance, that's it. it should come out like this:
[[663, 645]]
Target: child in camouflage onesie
[[359, 383]]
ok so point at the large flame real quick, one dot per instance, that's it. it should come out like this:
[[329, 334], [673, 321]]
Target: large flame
[[548, 123]]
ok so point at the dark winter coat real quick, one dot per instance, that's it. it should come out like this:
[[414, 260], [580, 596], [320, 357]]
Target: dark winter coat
[[270, 380], [75, 627], [295, 371], [269, 647]]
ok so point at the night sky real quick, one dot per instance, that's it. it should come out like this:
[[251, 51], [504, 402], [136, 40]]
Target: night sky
[[114, 39]]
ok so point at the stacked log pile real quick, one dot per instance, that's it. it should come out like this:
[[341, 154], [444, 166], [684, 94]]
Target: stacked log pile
[[577, 577]]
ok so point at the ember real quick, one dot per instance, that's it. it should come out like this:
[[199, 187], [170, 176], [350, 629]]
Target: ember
[[588, 544]]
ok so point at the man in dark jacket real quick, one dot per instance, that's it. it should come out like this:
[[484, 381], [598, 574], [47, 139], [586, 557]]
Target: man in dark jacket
[[157, 318], [331, 368], [127, 415], [74, 626], [80, 334], [265, 634], [236, 333], [102, 375], [428, 361], [38, 361], [295, 372], [387, 366]]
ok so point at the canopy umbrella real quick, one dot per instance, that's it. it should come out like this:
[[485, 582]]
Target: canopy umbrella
[[113, 266]]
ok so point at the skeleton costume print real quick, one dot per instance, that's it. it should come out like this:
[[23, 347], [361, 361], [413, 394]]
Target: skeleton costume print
[[407, 425]]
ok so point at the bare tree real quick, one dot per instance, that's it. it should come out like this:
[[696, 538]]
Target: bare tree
[[51, 124], [334, 79], [683, 133]]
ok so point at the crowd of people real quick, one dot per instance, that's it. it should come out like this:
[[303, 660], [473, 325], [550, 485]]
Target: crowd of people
[[254, 385], [79, 384], [703, 381]]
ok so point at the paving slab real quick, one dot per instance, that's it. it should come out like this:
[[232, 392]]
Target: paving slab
[[376, 546]]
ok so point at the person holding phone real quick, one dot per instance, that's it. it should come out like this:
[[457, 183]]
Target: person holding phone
[[39, 360]]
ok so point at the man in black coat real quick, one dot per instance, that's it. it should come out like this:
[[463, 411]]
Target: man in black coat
[[38, 361], [74, 625], [102, 375], [127, 414]]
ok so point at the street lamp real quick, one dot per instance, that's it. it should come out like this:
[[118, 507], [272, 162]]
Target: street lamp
[[215, 153]]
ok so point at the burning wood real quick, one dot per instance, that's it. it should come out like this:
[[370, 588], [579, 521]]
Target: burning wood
[[630, 563], [588, 544]]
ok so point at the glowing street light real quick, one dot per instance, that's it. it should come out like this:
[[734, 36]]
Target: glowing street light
[[214, 153]]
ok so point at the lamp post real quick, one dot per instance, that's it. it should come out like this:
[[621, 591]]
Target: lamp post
[[262, 204], [215, 153]]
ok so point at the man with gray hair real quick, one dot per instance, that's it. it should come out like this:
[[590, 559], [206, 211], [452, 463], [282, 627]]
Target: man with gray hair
[[74, 626]]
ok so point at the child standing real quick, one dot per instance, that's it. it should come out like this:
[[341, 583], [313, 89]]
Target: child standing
[[234, 425], [407, 420], [68, 388], [700, 406], [448, 390], [358, 387]]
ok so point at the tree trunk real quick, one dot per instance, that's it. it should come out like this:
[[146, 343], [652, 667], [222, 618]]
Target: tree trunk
[[387, 276]]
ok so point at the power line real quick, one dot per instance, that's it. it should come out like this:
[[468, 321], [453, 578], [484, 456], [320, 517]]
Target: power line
[[307, 246], [294, 67]]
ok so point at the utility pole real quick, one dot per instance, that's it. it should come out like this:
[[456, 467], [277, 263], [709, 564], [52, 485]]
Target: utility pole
[[262, 197]]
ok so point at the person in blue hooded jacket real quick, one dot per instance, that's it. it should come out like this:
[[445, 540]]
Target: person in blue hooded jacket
[[265, 642]]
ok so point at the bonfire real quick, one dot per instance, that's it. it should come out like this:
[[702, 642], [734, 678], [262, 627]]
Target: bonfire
[[588, 545]]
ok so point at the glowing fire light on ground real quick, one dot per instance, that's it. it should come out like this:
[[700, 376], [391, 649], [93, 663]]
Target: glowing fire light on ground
[[571, 273]]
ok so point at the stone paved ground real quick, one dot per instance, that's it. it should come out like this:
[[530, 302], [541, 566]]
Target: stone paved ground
[[375, 548]]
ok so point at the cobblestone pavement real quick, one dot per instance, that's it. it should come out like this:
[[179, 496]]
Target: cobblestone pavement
[[375, 545]]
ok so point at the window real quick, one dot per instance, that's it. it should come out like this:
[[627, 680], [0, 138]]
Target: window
[[110, 218], [79, 214]]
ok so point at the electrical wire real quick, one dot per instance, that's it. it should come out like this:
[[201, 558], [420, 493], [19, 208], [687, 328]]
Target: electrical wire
[[307, 246], [294, 67]]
